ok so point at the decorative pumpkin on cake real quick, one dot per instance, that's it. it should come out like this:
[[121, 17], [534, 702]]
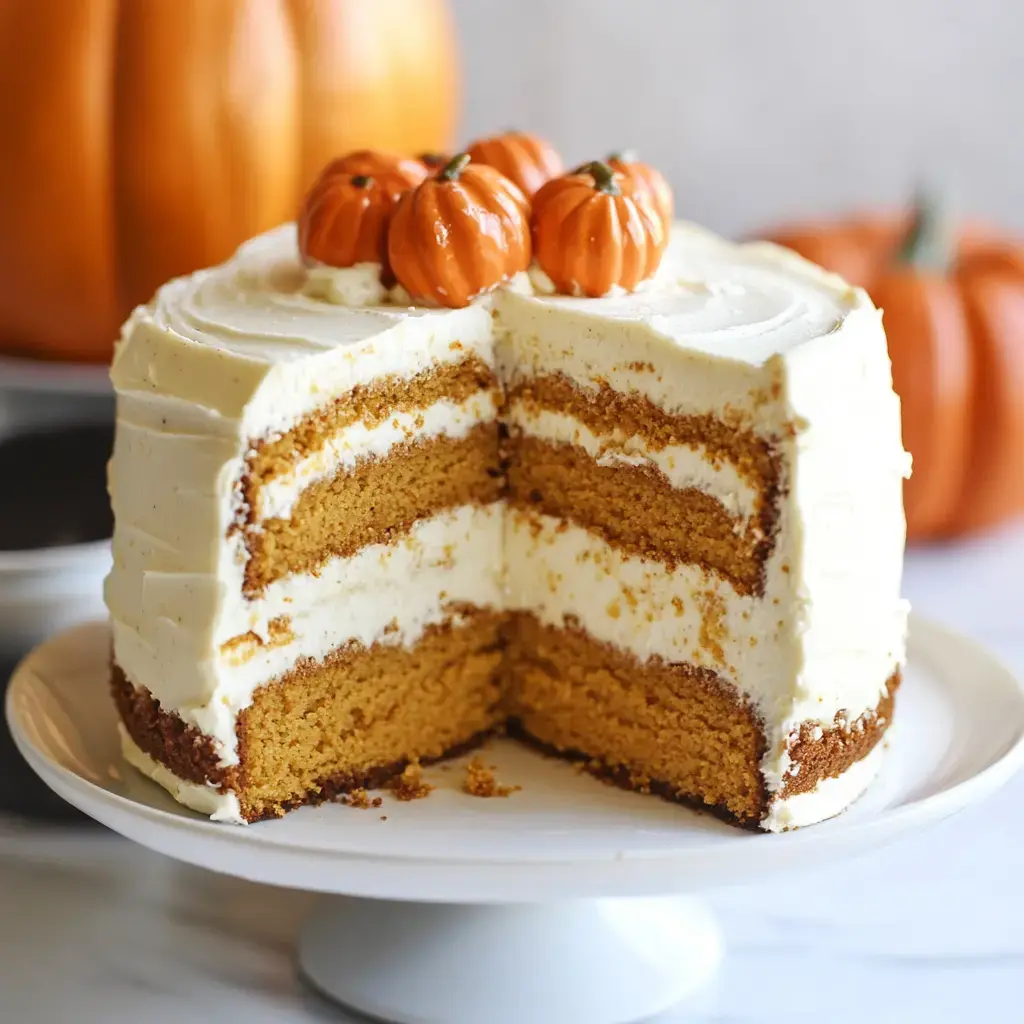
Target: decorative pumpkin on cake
[[395, 174], [113, 181], [641, 177], [593, 234], [527, 160], [344, 221], [459, 234], [954, 316]]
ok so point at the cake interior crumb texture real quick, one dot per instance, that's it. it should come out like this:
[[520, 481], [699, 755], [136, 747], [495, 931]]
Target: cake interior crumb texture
[[361, 715]]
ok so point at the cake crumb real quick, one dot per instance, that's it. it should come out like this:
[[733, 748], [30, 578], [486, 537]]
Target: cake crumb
[[480, 781], [411, 785], [358, 798], [383, 817]]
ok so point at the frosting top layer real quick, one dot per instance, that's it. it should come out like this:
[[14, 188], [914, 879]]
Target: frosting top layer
[[744, 302], [747, 302]]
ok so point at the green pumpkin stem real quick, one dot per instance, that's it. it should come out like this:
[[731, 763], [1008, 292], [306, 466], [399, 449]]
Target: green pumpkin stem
[[604, 177], [454, 167], [929, 242], [362, 181]]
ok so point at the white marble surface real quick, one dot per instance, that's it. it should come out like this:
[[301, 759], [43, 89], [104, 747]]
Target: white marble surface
[[930, 929]]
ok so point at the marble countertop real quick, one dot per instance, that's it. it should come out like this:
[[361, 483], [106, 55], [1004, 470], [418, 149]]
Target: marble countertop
[[93, 929]]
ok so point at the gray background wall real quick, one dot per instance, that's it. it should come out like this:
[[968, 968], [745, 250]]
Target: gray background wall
[[764, 110]]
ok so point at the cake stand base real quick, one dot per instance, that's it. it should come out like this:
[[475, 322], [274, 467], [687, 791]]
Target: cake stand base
[[581, 962]]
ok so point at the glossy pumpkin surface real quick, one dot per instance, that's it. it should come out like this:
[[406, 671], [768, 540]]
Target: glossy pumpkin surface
[[525, 159], [345, 222], [459, 234], [591, 236], [639, 177]]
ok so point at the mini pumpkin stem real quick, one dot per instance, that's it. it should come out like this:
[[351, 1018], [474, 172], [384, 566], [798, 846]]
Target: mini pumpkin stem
[[929, 243], [454, 167], [362, 180], [604, 177]]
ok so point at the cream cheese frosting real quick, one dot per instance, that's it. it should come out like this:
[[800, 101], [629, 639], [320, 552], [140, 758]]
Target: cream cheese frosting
[[751, 334]]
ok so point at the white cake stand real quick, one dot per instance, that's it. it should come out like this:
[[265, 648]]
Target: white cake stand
[[568, 902]]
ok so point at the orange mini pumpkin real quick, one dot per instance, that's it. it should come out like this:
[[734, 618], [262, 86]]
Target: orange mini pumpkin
[[526, 160], [345, 222], [641, 177], [590, 236], [953, 311], [459, 233], [393, 174]]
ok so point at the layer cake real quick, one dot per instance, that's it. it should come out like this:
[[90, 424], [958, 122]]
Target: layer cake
[[660, 532]]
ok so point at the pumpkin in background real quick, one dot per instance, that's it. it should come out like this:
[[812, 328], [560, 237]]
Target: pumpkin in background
[[954, 316], [591, 234], [145, 138], [459, 234]]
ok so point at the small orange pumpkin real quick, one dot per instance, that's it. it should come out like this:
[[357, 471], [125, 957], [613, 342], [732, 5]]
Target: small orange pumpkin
[[345, 222], [526, 160], [393, 174], [641, 177], [954, 317], [459, 233], [590, 236]]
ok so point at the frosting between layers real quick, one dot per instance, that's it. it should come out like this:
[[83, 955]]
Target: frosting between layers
[[560, 571], [682, 466], [341, 452], [387, 593]]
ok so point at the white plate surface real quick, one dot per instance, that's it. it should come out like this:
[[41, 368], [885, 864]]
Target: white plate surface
[[957, 737]]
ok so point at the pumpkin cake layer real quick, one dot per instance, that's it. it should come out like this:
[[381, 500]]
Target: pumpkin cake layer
[[352, 720], [618, 419], [379, 498], [636, 509], [662, 531], [367, 405], [670, 728]]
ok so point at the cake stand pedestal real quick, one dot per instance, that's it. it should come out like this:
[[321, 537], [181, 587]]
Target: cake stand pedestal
[[568, 902], [585, 961]]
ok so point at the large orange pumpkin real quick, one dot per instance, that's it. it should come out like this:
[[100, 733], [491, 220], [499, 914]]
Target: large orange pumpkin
[[145, 138], [954, 316]]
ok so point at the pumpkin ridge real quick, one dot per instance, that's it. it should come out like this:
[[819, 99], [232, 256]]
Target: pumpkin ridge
[[467, 256], [632, 244], [575, 222]]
